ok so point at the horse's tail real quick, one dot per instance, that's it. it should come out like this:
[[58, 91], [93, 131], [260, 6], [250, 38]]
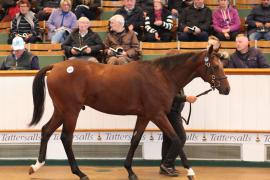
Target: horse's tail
[[39, 93]]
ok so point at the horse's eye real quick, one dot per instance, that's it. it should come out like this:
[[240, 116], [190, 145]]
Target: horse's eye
[[215, 68]]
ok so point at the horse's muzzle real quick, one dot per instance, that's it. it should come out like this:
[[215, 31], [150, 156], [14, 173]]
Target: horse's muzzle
[[225, 91]]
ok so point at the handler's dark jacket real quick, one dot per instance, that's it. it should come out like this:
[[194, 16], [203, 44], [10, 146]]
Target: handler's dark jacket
[[178, 102], [252, 59], [91, 39]]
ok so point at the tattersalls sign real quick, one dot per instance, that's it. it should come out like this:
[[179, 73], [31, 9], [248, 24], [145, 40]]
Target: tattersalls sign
[[148, 136]]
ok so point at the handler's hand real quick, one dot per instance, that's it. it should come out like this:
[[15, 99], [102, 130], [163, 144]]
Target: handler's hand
[[191, 99]]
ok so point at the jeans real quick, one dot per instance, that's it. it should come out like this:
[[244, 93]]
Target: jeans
[[259, 35], [59, 36]]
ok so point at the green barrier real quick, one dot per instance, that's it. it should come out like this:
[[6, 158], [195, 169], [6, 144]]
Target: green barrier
[[47, 60]]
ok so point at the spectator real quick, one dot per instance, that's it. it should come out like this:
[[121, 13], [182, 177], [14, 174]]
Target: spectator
[[83, 37], [61, 22], [145, 5], [259, 21], [121, 44], [226, 21], [134, 17], [195, 22], [10, 9], [46, 7], [88, 8], [245, 56], [20, 58], [25, 24], [158, 24]]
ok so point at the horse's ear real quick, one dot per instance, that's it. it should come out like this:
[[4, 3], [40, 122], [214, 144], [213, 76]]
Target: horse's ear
[[210, 49]]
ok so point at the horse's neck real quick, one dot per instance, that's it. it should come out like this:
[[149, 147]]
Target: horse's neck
[[183, 74]]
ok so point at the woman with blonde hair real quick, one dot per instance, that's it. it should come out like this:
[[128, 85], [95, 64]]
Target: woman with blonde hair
[[61, 22]]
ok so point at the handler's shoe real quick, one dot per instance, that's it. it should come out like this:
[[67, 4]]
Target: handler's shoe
[[168, 171]]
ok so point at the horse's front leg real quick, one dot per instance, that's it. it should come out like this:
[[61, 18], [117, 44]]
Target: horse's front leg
[[140, 126]]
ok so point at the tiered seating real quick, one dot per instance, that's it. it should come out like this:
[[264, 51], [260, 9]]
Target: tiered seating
[[151, 50], [100, 27], [191, 46], [4, 32], [212, 4], [108, 8], [244, 6]]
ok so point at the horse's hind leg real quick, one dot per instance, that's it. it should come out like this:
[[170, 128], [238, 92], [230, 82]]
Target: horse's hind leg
[[46, 132], [67, 138], [137, 135]]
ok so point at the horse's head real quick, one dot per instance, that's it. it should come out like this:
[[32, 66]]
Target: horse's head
[[212, 71]]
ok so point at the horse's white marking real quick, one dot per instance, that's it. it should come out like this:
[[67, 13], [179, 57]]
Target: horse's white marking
[[190, 172], [37, 166], [70, 69]]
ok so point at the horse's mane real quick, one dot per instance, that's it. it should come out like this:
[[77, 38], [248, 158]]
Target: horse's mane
[[171, 60]]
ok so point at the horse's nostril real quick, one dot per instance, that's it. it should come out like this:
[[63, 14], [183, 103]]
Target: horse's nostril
[[227, 91]]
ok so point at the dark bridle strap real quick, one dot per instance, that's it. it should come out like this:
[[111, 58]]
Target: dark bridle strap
[[201, 94]]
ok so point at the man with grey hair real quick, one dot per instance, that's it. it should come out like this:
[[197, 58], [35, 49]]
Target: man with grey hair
[[83, 43], [121, 44], [245, 56], [133, 16]]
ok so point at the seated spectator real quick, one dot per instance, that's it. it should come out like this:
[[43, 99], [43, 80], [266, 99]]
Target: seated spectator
[[245, 56], [83, 37], [121, 44], [158, 24], [224, 55], [45, 8], [87, 8], [226, 21], [134, 17], [259, 21], [61, 22], [195, 22], [145, 5], [20, 58], [25, 24], [10, 9]]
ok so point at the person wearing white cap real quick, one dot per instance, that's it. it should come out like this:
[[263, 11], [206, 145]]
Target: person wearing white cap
[[20, 59], [121, 44], [83, 43]]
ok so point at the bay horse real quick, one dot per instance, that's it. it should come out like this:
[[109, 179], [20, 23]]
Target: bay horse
[[142, 88]]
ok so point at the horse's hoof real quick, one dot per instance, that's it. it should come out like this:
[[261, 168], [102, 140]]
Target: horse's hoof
[[31, 171], [84, 178], [133, 177], [191, 177]]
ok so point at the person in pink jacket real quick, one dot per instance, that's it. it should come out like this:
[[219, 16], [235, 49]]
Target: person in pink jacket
[[226, 21]]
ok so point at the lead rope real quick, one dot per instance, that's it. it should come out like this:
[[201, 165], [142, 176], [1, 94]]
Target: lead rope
[[201, 94]]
